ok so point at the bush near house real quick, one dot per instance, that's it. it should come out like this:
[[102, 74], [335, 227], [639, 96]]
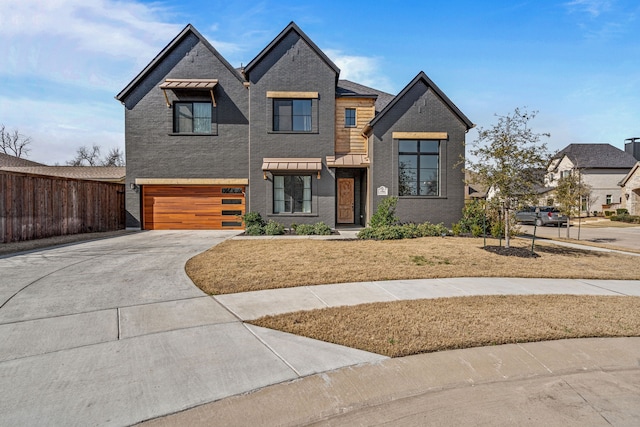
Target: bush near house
[[625, 217], [384, 225]]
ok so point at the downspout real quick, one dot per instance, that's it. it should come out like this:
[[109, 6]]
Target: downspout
[[247, 196]]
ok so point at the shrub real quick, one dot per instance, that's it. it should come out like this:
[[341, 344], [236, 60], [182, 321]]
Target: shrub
[[497, 229], [473, 219], [305, 229], [622, 211], [385, 214], [254, 230], [608, 213], [252, 218], [273, 228], [321, 229], [632, 219], [427, 229], [366, 234], [456, 228]]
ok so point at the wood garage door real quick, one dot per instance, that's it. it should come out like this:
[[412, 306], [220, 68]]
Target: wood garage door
[[192, 207]]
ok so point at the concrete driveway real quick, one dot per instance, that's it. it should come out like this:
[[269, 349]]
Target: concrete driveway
[[622, 237], [113, 332]]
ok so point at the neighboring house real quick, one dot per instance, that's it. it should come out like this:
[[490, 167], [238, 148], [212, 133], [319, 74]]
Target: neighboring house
[[93, 173], [630, 194], [285, 137], [7, 160], [601, 166]]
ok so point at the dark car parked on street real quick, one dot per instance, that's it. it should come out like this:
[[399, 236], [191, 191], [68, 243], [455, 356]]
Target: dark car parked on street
[[542, 215]]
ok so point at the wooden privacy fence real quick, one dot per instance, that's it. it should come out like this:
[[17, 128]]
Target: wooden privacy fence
[[36, 206]]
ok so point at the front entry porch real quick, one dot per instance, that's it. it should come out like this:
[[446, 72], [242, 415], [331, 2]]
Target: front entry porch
[[351, 196]]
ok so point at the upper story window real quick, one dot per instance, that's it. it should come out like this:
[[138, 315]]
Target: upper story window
[[418, 167], [349, 117], [292, 115], [192, 117]]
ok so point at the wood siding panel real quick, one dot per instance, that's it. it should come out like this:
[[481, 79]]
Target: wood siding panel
[[36, 206], [191, 208], [349, 140]]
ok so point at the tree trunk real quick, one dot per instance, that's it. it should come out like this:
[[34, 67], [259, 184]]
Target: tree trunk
[[506, 228], [568, 224]]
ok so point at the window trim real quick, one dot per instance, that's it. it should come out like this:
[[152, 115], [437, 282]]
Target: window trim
[[355, 117], [441, 183]]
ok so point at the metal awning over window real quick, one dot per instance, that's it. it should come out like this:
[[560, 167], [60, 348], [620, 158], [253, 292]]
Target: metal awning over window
[[347, 160], [291, 164], [189, 84]]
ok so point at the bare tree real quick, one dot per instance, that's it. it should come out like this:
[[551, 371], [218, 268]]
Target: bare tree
[[86, 156], [13, 143], [508, 157], [115, 157]]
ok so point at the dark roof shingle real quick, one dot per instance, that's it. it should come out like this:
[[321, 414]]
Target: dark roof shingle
[[349, 88], [597, 156]]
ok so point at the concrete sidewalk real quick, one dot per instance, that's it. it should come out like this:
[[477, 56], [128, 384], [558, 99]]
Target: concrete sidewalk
[[113, 332]]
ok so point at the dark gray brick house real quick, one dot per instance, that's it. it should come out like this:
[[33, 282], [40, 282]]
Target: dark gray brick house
[[284, 136]]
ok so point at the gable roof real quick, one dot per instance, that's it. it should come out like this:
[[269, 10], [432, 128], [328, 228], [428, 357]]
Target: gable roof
[[426, 80], [9, 160], [629, 175], [349, 88], [596, 156], [291, 27], [94, 173], [189, 29]]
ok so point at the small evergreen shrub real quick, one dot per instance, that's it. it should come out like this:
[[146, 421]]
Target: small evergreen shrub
[[305, 229], [385, 214], [321, 229], [254, 230], [253, 218], [622, 211], [273, 228]]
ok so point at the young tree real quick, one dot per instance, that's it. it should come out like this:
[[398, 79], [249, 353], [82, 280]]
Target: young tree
[[91, 157], [13, 143], [569, 194], [508, 157]]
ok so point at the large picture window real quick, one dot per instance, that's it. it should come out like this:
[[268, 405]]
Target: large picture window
[[192, 117], [292, 115], [418, 167], [291, 194]]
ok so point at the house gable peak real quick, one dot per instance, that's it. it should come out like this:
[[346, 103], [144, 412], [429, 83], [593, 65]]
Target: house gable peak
[[289, 28]]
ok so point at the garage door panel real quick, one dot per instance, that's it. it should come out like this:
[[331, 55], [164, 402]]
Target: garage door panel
[[192, 207]]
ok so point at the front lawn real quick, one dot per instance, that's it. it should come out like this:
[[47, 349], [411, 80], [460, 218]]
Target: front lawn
[[402, 328], [250, 265]]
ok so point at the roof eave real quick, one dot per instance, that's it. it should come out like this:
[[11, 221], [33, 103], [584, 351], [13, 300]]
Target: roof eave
[[422, 76], [291, 27], [164, 52]]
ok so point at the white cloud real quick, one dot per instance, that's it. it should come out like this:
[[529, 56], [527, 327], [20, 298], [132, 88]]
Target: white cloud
[[360, 69], [100, 42], [592, 7]]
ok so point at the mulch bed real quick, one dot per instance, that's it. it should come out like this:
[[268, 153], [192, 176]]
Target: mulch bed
[[517, 252]]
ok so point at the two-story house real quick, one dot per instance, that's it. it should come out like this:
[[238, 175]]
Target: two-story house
[[285, 137], [600, 166]]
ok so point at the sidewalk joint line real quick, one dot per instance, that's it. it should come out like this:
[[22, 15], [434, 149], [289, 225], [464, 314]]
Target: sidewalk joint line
[[272, 350], [534, 358]]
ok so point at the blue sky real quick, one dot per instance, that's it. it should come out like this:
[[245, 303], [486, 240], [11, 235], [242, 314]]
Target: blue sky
[[575, 61]]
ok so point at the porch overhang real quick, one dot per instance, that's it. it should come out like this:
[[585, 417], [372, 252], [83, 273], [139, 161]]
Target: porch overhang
[[189, 84], [348, 161], [291, 164]]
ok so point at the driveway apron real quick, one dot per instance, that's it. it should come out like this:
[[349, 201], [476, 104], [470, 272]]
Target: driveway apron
[[113, 332]]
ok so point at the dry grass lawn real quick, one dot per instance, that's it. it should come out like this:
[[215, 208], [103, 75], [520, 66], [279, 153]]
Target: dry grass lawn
[[410, 327], [249, 265]]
